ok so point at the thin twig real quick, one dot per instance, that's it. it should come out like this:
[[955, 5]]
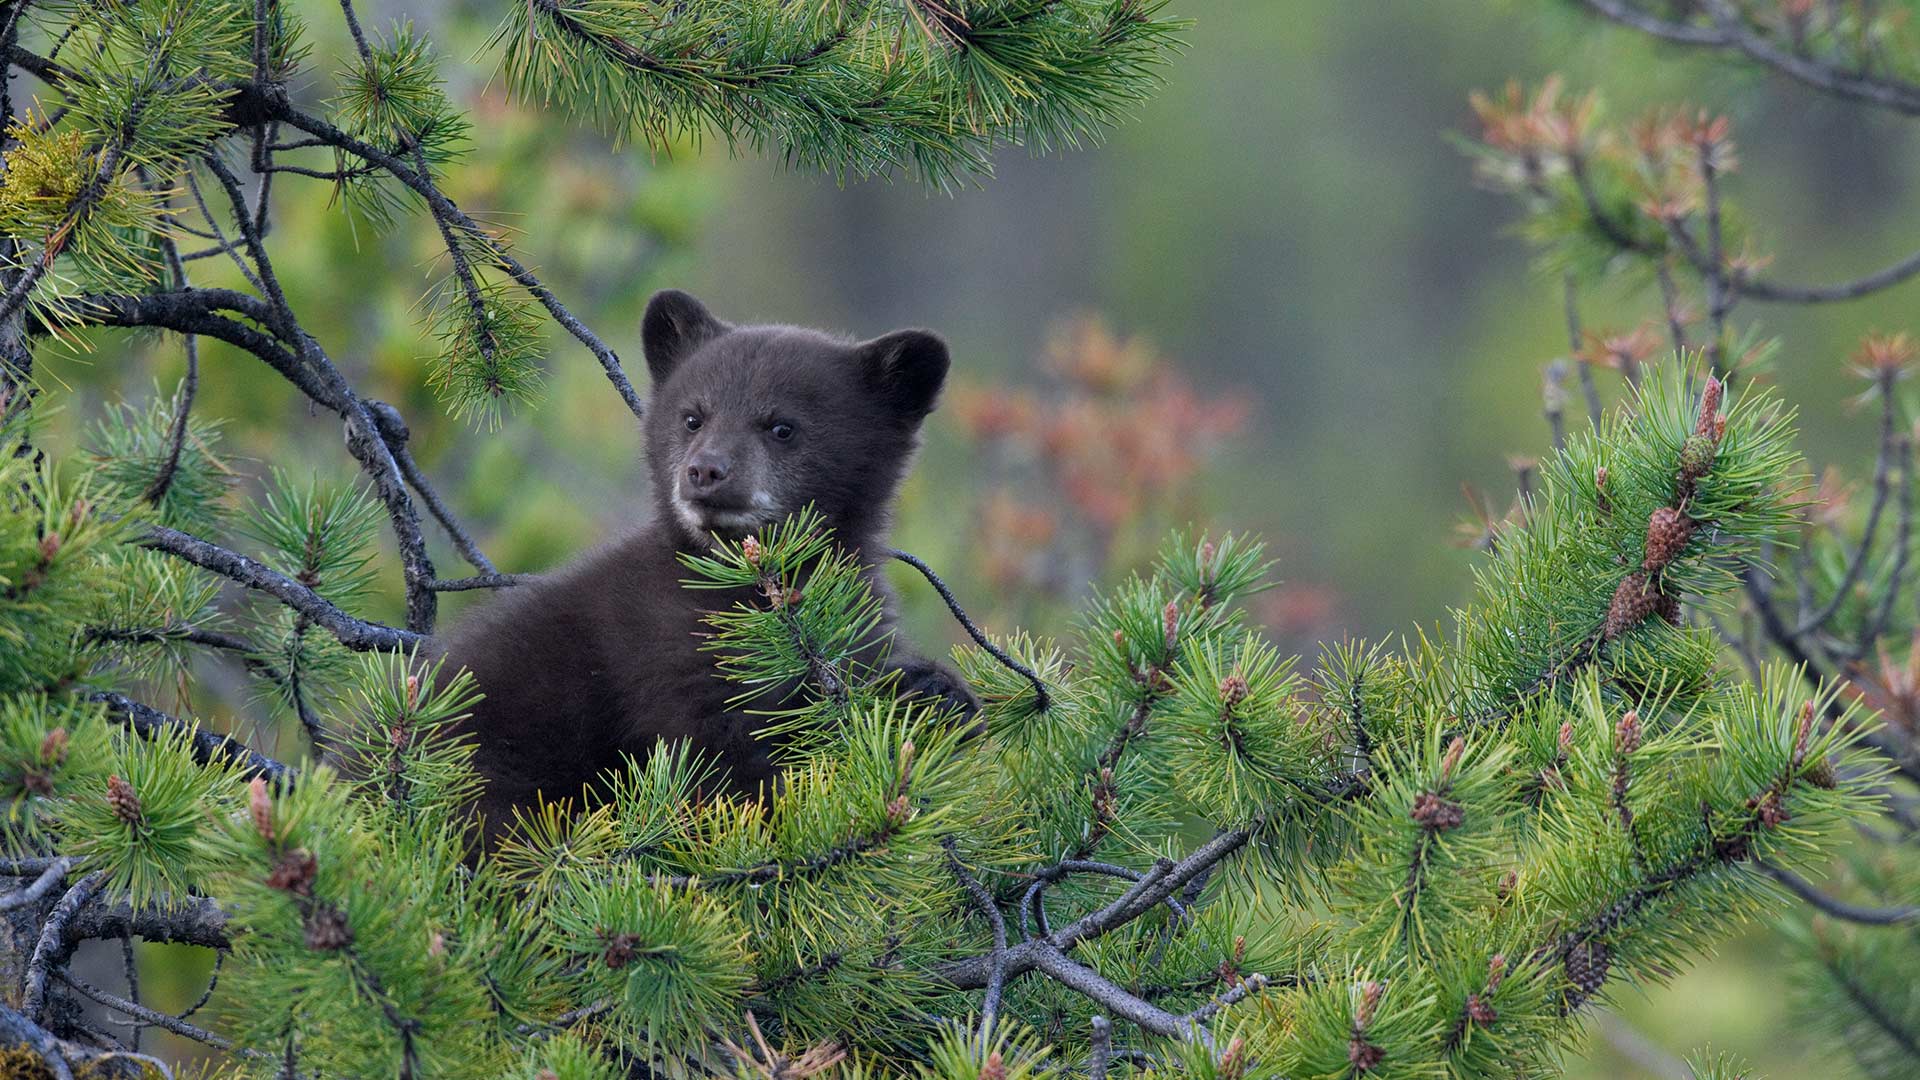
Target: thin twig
[[206, 746], [54, 874], [1041, 698], [54, 945], [1101, 1051], [997, 961], [481, 581], [351, 632], [189, 384], [424, 187], [1588, 388], [1882, 491], [145, 1015], [1839, 909]]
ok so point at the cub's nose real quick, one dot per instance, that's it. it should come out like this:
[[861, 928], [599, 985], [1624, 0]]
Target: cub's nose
[[706, 471]]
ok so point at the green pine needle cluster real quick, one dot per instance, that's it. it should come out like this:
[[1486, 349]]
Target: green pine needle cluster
[[856, 88]]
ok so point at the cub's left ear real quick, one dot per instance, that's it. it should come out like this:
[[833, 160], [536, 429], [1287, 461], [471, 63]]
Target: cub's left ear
[[906, 368]]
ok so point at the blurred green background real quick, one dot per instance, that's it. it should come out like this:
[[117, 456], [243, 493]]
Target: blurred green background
[[1288, 225]]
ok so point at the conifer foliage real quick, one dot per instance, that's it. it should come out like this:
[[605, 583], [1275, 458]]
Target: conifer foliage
[[1163, 850], [1655, 200]]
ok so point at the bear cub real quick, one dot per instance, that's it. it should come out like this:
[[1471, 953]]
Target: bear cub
[[747, 425]]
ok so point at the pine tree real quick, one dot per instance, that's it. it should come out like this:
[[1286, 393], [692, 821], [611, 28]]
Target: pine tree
[[1647, 201], [1165, 851]]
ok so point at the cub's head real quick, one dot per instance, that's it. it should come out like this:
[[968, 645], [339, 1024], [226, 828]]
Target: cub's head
[[750, 423]]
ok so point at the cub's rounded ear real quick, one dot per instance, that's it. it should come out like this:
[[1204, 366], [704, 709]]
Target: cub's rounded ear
[[674, 326], [907, 369]]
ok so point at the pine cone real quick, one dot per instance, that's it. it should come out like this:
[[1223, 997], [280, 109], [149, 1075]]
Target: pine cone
[[1626, 735], [1634, 600], [1709, 407], [53, 748], [1772, 809], [1435, 813], [1233, 689], [123, 800], [1479, 1011], [1586, 967], [327, 929], [619, 950], [294, 872], [1821, 775], [1363, 1055], [1696, 457], [1668, 531], [260, 807], [1668, 608]]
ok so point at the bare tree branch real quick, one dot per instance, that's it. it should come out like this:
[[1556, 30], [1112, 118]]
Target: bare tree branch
[[207, 746], [1835, 907], [351, 632]]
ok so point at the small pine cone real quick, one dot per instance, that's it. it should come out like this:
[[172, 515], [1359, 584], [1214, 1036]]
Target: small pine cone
[[124, 802], [1627, 734], [294, 872], [1363, 1055], [1634, 600], [1234, 1060], [619, 950], [1668, 531], [994, 1068], [1431, 811], [1233, 689], [1771, 809], [1370, 992], [37, 783], [49, 547], [53, 748], [1668, 609], [546, 1074], [750, 551], [1479, 1011], [327, 929], [1821, 775], [1586, 967], [1709, 407], [1696, 456], [1509, 881], [260, 808]]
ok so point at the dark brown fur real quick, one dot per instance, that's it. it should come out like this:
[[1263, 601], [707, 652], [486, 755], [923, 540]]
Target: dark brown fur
[[601, 659]]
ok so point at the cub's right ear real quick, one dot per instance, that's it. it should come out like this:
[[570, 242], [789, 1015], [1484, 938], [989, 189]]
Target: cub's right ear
[[674, 326]]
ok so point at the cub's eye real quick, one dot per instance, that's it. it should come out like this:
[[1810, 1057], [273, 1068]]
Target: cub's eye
[[693, 422], [783, 432]]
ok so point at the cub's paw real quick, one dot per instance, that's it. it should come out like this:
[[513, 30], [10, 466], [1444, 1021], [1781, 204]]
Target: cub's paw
[[927, 679]]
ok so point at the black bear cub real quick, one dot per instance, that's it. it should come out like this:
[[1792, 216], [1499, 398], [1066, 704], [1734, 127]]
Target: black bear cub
[[747, 425]]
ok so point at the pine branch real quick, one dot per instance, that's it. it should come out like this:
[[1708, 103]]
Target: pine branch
[[207, 746], [1166, 879], [441, 205], [1835, 907], [353, 633], [17, 1030], [54, 874], [1042, 700], [158, 1019], [56, 944], [1729, 30]]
